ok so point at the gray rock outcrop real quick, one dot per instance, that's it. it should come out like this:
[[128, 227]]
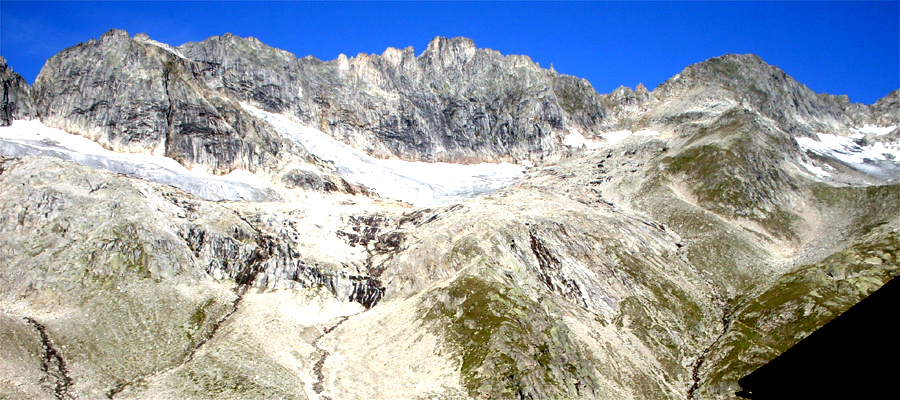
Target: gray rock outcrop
[[15, 102], [886, 111]]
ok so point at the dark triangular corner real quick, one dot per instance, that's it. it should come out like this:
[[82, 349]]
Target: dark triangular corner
[[853, 356]]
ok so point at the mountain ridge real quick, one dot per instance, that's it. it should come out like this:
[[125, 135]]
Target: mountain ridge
[[589, 118]]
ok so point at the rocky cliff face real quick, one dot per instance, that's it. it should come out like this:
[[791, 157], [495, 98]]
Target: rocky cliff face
[[16, 100], [135, 95], [685, 236], [884, 110], [453, 103]]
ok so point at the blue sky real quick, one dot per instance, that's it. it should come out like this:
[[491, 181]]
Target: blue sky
[[848, 48]]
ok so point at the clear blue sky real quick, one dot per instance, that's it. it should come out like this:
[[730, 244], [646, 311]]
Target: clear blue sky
[[848, 48]]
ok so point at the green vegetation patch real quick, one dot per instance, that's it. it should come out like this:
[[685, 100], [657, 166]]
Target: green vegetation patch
[[869, 206], [738, 181], [508, 344], [662, 318], [572, 96]]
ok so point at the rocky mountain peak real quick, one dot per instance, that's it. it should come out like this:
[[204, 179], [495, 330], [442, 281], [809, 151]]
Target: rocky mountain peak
[[113, 35], [229, 49], [747, 80], [641, 90], [440, 44], [623, 95], [728, 70], [449, 53], [137, 95], [395, 57]]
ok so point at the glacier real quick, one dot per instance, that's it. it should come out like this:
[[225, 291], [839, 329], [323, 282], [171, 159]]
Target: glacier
[[879, 159], [33, 138], [418, 183], [848, 151]]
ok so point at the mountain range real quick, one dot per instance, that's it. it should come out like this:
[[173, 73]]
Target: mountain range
[[225, 220]]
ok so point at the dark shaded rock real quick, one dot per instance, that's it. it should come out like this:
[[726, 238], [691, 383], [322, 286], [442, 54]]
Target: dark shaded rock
[[304, 179], [15, 99]]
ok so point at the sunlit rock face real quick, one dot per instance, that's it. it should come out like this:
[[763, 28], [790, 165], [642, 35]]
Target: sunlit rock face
[[224, 220], [452, 103], [133, 96]]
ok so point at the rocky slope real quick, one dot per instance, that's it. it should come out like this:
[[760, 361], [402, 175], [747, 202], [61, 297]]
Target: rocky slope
[[661, 244]]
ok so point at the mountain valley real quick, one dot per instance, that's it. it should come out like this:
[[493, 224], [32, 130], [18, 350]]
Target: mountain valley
[[225, 220]]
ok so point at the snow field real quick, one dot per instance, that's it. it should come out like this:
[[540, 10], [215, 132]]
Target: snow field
[[848, 151], [417, 183], [32, 138]]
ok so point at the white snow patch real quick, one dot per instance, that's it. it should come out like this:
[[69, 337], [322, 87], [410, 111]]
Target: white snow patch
[[33, 138], [615, 137], [242, 175], [576, 139], [418, 183], [647, 132], [170, 49], [815, 170], [848, 151], [873, 129], [878, 159]]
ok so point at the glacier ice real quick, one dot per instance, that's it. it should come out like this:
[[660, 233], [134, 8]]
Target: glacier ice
[[879, 159], [847, 150], [417, 183], [32, 138]]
